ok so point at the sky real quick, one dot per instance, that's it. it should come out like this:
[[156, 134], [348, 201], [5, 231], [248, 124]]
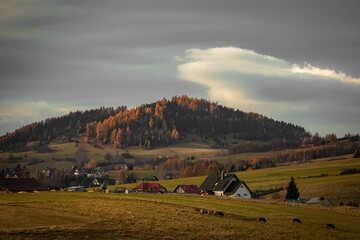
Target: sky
[[294, 61]]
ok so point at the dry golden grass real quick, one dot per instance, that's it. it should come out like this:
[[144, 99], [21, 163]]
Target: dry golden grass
[[171, 216]]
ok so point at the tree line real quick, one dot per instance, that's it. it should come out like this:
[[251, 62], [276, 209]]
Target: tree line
[[69, 125], [302, 154]]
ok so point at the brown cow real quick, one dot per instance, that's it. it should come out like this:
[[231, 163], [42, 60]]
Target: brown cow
[[220, 214], [203, 211]]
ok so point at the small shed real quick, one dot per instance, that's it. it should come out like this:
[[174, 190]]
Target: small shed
[[76, 189], [192, 189], [320, 201]]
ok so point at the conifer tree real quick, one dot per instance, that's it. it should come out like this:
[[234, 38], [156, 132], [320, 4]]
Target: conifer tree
[[292, 190]]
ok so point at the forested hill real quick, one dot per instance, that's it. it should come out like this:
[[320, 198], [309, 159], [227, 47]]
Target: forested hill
[[159, 123]]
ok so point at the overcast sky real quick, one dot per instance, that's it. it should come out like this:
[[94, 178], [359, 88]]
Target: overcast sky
[[296, 61]]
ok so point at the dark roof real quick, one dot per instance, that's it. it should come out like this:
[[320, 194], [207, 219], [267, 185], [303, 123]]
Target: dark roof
[[150, 178], [150, 186], [188, 188], [20, 184], [222, 183], [209, 182], [233, 187]]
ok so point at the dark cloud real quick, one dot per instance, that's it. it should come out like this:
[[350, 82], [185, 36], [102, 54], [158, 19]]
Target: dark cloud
[[56, 50]]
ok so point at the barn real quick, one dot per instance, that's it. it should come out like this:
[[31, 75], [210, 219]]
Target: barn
[[21, 184], [145, 186], [189, 189]]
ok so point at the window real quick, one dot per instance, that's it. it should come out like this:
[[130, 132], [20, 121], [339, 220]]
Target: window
[[245, 194]]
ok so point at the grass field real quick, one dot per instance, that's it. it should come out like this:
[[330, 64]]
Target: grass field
[[315, 179], [192, 146], [170, 216]]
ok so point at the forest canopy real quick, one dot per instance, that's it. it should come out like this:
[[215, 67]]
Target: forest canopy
[[159, 123]]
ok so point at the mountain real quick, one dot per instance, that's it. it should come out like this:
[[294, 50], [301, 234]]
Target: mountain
[[160, 123]]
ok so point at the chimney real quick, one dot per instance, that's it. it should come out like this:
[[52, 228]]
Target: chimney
[[222, 175]]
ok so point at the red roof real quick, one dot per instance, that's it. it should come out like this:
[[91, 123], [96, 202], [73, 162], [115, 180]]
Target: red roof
[[189, 188], [150, 186]]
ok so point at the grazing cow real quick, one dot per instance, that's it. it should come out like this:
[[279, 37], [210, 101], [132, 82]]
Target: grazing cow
[[262, 220], [220, 214], [197, 209], [296, 220], [210, 211], [330, 226]]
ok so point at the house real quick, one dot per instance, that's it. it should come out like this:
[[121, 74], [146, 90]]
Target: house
[[225, 185], [99, 182], [169, 176], [192, 189], [21, 184], [4, 190], [320, 201], [94, 174], [145, 186], [76, 189], [150, 178]]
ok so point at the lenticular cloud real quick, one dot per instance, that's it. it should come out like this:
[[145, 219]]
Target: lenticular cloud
[[242, 78]]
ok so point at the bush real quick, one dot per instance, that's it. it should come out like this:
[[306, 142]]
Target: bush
[[350, 171]]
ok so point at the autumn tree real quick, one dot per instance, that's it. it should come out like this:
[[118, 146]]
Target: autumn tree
[[202, 169], [24, 172], [37, 174], [91, 164], [188, 171], [122, 176]]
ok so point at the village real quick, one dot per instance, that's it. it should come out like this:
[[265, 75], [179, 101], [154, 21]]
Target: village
[[19, 180]]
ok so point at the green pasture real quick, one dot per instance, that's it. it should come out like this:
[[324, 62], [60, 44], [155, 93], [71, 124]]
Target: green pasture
[[315, 179]]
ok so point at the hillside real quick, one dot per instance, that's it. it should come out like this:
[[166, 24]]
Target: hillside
[[157, 124]]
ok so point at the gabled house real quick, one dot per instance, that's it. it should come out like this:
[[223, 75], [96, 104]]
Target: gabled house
[[145, 186], [225, 185], [21, 184], [150, 178], [192, 189]]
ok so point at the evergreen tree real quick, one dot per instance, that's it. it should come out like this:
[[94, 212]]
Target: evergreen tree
[[292, 190]]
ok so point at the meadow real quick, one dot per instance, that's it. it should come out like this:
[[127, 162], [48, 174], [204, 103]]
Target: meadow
[[65, 215], [64, 152]]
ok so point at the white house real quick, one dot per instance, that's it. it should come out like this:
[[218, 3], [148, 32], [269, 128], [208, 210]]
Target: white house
[[225, 185], [238, 189]]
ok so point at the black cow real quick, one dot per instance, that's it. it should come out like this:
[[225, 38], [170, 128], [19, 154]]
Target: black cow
[[262, 220], [296, 220], [330, 226]]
